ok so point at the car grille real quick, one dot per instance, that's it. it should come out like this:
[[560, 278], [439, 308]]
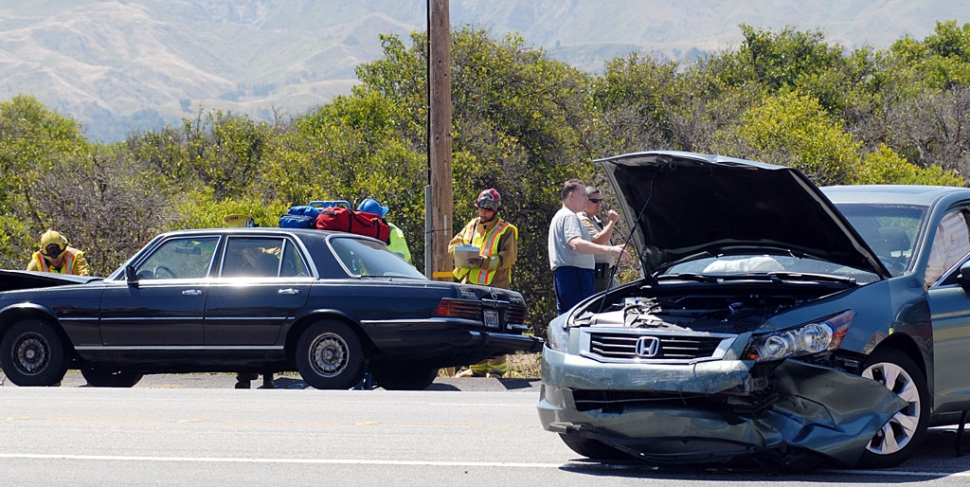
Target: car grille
[[617, 401], [622, 347], [614, 401]]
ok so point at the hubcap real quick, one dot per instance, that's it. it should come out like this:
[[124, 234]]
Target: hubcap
[[31, 354], [899, 430], [329, 354]]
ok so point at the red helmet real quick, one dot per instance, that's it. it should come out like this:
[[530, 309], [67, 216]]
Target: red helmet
[[488, 200]]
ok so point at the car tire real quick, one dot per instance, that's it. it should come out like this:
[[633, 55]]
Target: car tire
[[592, 449], [395, 377], [32, 354], [901, 436], [102, 377], [329, 355]]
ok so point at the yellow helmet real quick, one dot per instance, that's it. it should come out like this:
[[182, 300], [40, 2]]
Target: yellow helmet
[[238, 221], [52, 244]]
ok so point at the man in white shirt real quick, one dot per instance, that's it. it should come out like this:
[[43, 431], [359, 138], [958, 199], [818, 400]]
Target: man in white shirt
[[571, 249]]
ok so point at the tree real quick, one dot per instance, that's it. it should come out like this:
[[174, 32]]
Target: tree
[[33, 140]]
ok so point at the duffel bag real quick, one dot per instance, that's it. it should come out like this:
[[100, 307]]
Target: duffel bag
[[297, 221], [360, 222], [314, 208]]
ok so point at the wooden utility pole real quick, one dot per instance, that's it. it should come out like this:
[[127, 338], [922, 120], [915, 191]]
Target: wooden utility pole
[[439, 204]]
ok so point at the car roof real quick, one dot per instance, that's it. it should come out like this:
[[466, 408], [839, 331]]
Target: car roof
[[253, 230], [897, 194]]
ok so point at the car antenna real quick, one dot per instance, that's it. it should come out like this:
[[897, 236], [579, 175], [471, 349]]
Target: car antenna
[[653, 280]]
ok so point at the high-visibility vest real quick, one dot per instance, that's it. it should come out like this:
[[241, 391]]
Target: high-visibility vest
[[67, 267], [397, 243], [488, 243]]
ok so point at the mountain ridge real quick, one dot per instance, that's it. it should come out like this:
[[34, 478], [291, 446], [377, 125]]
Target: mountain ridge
[[123, 65]]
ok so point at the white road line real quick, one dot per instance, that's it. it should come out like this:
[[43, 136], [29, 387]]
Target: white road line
[[307, 461], [420, 463]]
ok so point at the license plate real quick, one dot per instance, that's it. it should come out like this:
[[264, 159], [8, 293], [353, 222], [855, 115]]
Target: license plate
[[491, 318]]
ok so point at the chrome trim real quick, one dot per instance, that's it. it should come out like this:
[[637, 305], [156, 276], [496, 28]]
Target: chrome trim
[[517, 327], [247, 318], [151, 318], [443, 319], [179, 347], [726, 340]]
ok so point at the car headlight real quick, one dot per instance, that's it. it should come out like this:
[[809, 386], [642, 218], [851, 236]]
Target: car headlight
[[557, 335], [808, 339]]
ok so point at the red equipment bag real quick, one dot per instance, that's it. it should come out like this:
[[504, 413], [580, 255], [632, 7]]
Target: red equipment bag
[[344, 219]]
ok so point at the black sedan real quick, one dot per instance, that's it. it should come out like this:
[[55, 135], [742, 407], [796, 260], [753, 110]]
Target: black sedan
[[330, 305]]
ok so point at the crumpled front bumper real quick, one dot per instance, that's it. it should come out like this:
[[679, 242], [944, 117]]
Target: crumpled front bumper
[[820, 410]]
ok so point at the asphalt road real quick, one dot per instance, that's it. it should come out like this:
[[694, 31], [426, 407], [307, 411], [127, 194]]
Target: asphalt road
[[197, 430]]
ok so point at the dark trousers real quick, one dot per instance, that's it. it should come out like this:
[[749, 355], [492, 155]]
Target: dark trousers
[[573, 284]]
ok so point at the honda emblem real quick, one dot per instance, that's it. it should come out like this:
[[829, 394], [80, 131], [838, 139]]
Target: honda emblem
[[648, 347]]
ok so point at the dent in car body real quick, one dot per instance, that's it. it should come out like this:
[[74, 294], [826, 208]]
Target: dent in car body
[[812, 413]]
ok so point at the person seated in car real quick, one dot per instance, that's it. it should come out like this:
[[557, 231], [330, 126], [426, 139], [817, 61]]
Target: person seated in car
[[244, 262]]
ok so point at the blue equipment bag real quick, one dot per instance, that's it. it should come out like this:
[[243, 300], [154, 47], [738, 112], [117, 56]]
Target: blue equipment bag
[[306, 216], [297, 221]]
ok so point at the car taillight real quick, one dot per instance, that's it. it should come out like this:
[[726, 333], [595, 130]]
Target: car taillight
[[515, 314], [459, 308]]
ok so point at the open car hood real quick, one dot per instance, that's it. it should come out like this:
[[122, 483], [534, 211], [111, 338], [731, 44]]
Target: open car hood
[[706, 205], [12, 280]]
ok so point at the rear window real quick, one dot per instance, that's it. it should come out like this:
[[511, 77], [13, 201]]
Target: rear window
[[366, 258]]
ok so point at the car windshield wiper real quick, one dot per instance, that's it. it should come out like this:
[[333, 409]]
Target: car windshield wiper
[[688, 276], [801, 276]]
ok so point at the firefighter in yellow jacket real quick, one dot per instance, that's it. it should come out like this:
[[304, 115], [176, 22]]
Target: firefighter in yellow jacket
[[57, 255], [496, 240]]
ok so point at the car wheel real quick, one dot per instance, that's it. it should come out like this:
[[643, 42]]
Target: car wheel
[[101, 377], [593, 449], [32, 354], [899, 438], [394, 377], [329, 356]]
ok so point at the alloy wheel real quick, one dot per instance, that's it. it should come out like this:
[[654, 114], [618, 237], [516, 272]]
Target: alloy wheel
[[329, 354], [900, 429]]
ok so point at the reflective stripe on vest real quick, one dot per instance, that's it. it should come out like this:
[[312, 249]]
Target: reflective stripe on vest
[[66, 267], [489, 247]]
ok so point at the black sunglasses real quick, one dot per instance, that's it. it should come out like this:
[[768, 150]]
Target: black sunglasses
[[596, 200]]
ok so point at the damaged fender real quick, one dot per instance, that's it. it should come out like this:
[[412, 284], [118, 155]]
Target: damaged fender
[[818, 409], [827, 411]]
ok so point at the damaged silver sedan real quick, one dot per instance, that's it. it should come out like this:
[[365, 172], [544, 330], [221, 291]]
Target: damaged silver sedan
[[775, 320]]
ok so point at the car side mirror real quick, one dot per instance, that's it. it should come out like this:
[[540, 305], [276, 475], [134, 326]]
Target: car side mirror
[[963, 275], [131, 276]]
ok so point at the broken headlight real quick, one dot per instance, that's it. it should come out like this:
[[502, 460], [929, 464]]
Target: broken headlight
[[811, 338], [557, 335]]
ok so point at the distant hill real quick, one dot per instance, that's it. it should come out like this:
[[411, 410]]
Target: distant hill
[[122, 65]]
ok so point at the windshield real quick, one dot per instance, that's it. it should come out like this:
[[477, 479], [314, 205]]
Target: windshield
[[366, 258], [889, 230]]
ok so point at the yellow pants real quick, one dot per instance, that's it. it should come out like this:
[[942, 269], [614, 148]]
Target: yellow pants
[[495, 366]]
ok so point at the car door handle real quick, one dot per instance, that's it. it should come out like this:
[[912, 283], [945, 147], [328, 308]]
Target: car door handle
[[192, 292], [289, 291]]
